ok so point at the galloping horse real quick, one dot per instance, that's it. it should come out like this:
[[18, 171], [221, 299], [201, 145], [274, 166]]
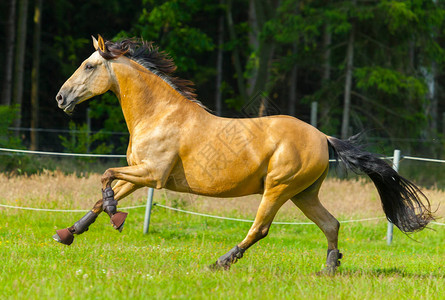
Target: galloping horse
[[175, 143]]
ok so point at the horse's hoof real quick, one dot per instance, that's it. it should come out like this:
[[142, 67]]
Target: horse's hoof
[[64, 236], [328, 271], [217, 266], [118, 220], [120, 228]]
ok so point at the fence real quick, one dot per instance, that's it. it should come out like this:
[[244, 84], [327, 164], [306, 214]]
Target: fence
[[149, 205]]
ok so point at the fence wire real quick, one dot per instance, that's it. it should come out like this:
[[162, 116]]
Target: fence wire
[[177, 209], [123, 155], [61, 210], [62, 153], [192, 213]]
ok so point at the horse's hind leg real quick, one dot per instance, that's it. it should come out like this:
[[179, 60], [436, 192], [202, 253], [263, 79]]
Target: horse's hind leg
[[310, 205], [267, 210], [66, 235]]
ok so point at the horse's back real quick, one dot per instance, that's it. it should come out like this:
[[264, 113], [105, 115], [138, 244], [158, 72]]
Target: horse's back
[[234, 157]]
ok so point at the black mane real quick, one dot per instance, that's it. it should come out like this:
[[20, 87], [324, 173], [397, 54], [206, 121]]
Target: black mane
[[149, 56]]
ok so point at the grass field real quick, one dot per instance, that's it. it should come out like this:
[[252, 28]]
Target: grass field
[[171, 261]]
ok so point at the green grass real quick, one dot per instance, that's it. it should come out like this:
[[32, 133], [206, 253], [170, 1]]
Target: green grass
[[171, 261]]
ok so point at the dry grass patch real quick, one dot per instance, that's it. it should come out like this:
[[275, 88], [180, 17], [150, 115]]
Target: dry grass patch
[[345, 199], [55, 190]]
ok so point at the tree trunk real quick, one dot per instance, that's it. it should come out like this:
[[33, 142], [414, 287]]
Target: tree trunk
[[327, 39], [432, 84], [235, 53], [219, 63], [412, 51], [348, 84], [431, 108], [293, 86], [326, 74], [266, 47], [254, 33], [434, 101], [20, 60], [35, 76], [265, 56], [9, 56]]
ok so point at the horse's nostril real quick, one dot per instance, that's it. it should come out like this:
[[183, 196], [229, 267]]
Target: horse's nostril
[[59, 98]]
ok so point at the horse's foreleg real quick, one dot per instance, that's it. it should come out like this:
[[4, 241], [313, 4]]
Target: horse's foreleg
[[110, 197], [266, 212], [136, 176], [315, 211], [66, 236], [109, 205]]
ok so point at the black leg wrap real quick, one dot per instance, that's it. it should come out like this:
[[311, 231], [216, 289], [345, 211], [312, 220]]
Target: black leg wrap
[[229, 258], [333, 258], [332, 262], [109, 204], [82, 225]]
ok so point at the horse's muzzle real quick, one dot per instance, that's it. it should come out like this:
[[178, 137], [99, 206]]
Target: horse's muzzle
[[62, 102]]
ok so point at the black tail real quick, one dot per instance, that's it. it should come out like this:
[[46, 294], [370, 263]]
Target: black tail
[[401, 199]]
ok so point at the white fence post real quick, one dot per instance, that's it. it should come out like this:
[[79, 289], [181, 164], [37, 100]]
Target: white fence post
[[390, 229], [148, 210]]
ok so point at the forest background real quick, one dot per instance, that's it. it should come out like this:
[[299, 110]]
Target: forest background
[[373, 66]]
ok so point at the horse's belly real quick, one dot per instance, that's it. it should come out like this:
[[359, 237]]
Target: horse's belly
[[216, 181]]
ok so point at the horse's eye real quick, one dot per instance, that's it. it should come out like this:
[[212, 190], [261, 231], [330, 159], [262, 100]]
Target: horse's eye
[[89, 67]]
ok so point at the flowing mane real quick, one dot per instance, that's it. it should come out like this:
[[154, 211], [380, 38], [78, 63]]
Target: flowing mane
[[158, 62]]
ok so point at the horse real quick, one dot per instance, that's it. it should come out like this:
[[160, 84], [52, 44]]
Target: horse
[[177, 144]]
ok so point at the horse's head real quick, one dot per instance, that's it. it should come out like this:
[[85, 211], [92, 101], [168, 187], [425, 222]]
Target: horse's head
[[92, 78]]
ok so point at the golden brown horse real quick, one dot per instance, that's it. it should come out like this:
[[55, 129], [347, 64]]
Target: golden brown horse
[[177, 144]]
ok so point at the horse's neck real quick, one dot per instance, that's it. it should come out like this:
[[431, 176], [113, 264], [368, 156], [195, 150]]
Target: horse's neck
[[145, 97]]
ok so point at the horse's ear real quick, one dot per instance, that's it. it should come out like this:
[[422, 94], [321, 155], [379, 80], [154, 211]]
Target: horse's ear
[[95, 43], [101, 44]]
